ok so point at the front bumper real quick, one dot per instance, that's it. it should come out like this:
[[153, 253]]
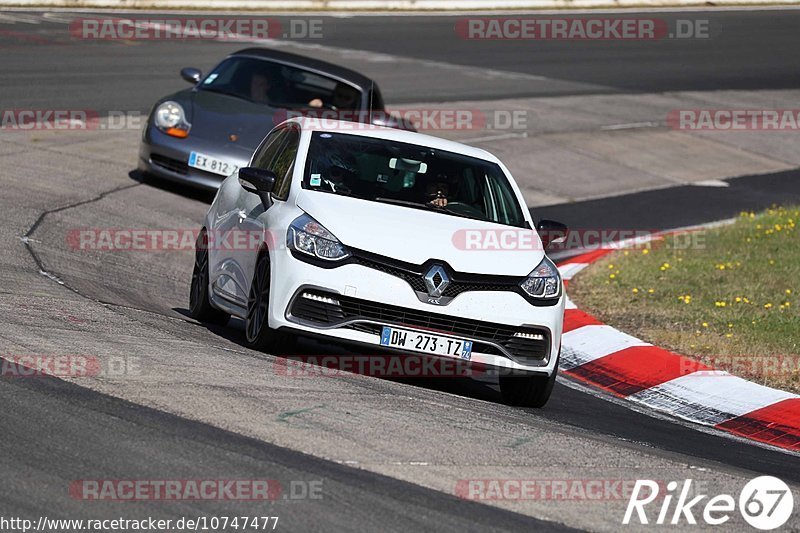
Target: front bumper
[[167, 157], [367, 299]]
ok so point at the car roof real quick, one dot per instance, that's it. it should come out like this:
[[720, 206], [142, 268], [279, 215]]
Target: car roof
[[392, 134], [355, 78]]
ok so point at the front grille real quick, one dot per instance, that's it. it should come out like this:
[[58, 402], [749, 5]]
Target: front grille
[[459, 282], [409, 276], [168, 163], [332, 309]]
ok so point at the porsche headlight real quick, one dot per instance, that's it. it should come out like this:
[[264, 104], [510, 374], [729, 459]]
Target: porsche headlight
[[544, 282], [170, 118], [309, 237]]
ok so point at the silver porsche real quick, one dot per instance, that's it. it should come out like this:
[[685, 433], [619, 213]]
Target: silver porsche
[[201, 135]]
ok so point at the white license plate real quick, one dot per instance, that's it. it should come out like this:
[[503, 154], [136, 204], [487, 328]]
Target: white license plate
[[426, 342], [211, 164]]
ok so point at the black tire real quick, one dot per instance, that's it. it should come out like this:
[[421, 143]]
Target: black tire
[[256, 325], [199, 304], [527, 391]]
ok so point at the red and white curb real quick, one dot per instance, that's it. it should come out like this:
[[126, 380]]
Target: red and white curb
[[630, 368]]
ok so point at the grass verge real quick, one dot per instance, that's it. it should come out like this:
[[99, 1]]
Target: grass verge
[[725, 296]]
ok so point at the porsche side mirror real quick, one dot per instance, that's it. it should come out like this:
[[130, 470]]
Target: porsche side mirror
[[551, 231], [192, 75]]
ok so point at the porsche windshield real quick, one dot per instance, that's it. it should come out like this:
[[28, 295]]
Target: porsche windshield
[[278, 85], [411, 176]]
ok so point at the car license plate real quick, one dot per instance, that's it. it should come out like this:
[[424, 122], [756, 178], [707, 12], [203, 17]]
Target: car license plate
[[211, 164], [426, 342]]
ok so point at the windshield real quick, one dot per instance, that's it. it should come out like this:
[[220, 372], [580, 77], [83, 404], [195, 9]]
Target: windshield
[[411, 176], [278, 85]]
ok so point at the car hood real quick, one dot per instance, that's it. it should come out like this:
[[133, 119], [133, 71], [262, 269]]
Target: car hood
[[416, 235], [237, 124]]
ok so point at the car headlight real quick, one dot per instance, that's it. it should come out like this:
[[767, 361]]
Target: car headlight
[[170, 118], [309, 237], [544, 282]]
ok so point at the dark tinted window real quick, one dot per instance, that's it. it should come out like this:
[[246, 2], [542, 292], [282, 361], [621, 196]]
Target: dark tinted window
[[412, 176], [278, 85]]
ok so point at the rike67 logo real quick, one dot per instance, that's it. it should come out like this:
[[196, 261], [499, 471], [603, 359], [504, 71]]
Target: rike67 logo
[[765, 503]]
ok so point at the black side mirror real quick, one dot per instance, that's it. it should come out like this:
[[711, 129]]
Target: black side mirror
[[551, 231], [257, 181], [192, 75]]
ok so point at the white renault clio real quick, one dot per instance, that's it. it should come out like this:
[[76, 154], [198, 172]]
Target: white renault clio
[[384, 239]]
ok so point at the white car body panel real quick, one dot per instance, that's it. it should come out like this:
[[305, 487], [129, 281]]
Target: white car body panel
[[401, 233]]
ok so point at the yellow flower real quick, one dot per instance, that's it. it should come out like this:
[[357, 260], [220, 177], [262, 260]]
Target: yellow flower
[[730, 325], [738, 299], [635, 290], [729, 335], [767, 306], [610, 266], [651, 291], [612, 276], [645, 251], [788, 291], [705, 324]]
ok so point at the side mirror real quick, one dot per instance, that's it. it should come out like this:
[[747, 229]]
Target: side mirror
[[257, 181], [192, 75], [551, 231]]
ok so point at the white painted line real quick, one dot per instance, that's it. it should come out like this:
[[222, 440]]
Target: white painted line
[[497, 137], [630, 126], [709, 398], [26, 19], [592, 342], [710, 183], [569, 270]]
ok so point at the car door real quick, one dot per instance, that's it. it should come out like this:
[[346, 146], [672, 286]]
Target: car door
[[279, 158], [237, 231]]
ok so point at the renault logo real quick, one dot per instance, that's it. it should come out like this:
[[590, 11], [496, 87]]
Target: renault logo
[[436, 281]]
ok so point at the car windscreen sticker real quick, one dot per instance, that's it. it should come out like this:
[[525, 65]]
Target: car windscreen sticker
[[316, 180], [383, 178], [210, 78], [326, 135]]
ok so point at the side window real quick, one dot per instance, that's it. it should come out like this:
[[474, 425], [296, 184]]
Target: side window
[[283, 164], [266, 154]]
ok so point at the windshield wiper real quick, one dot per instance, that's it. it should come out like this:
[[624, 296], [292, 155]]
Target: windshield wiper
[[406, 203]]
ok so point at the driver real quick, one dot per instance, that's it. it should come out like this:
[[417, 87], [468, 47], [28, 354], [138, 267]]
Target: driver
[[441, 190], [264, 88]]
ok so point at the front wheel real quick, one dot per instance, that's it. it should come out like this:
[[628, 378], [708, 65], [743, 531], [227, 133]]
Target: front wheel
[[257, 331], [199, 303], [527, 391]]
